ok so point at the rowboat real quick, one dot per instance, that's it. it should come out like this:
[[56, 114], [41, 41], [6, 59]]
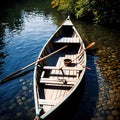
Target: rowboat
[[59, 71]]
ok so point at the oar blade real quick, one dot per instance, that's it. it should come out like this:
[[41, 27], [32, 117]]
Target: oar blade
[[10, 76], [90, 45]]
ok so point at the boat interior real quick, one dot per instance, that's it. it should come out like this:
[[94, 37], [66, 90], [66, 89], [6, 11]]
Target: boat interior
[[55, 78]]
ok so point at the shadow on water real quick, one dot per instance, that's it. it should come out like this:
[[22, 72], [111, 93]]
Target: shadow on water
[[89, 92]]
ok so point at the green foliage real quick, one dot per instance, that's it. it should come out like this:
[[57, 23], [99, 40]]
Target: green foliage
[[100, 11], [106, 11], [65, 6], [81, 7]]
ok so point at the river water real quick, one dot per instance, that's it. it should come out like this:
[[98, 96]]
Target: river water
[[24, 29]]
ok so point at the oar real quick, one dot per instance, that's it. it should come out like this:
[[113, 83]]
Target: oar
[[40, 59], [89, 46]]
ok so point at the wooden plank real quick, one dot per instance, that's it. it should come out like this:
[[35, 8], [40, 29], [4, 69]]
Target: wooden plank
[[64, 68], [67, 40], [58, 79], [62, 86], [43, 73], [61, 92], [62, 82], [60, 62], [46, 102], [54, 91]]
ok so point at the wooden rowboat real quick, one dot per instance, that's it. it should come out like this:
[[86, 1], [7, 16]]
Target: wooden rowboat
[[58, 75]]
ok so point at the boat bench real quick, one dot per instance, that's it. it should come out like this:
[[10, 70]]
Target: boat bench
[[57, 70], [67, 40], [64, 79], [46, 102], [74, 71], [58, 81], [63, 68]]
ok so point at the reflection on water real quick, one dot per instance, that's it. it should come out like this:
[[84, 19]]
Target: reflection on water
[[24, 29], [2, 52]]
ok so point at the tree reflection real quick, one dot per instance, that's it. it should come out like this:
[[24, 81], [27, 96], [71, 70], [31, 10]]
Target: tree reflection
[[2, 45]]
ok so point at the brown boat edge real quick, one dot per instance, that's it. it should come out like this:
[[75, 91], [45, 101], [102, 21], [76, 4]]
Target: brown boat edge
[[55, 80]]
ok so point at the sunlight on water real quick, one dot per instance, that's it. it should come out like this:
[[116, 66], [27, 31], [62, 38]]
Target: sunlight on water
[[35, 31]]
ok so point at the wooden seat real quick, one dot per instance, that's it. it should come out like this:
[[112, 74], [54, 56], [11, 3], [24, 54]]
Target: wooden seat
[[71, 72], [46, 102], [67, 40], [63, 68], [58, 81]]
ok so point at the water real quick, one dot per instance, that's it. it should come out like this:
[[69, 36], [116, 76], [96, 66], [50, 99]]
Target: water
[[24, 29]]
